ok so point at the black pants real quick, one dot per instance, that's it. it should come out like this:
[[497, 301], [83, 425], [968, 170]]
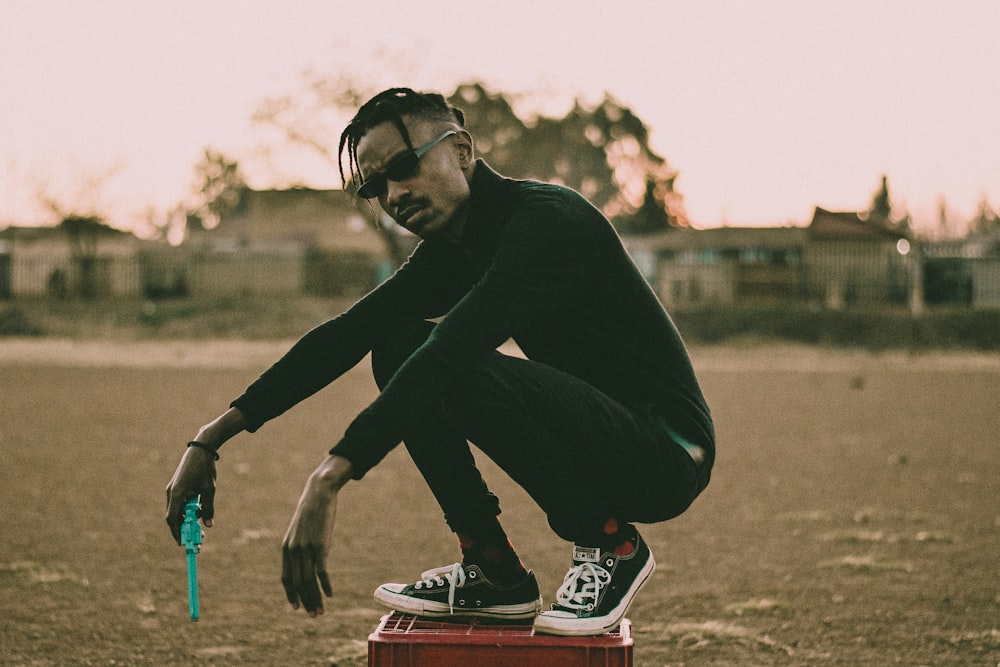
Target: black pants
[[582, 456]]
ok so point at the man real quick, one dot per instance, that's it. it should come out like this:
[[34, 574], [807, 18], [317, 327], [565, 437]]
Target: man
[[603, 424]]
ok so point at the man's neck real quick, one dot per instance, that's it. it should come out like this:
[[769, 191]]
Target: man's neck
[[457, 227]]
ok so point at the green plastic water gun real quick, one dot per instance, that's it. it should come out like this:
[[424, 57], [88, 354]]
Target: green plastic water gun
[[191, 539]]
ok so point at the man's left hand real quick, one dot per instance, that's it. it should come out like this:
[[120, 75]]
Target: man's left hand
[[306, 545]]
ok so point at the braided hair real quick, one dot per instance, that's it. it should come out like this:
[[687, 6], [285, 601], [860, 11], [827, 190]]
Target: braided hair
[[390, 106]]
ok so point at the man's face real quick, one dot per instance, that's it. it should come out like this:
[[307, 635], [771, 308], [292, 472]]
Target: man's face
[[433, 198]]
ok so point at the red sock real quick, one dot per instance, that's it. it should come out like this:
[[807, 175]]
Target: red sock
[[621, 540], [493, 552]]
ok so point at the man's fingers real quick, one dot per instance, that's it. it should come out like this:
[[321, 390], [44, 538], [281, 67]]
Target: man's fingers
[[287, 580], [296, 572], [207, 512], [299, 574], [324, 581], [175, 530], [194, 476], [172, 518], [309, 590]]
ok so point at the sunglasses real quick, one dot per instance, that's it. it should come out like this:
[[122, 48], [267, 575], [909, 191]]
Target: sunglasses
[[400, 169]]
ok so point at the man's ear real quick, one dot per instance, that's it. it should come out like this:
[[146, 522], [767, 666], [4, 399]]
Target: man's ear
[[466, 150]]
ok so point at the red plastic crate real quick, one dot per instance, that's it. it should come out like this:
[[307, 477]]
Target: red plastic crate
[[401, 640]]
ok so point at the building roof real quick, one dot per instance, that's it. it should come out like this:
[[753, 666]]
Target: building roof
[[31, 233], [849, 226], [46, 232], [294, 218], [55, 238], [722, 238]]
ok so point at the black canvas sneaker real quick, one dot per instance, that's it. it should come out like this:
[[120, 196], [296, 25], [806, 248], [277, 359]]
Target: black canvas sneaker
[[597, 591], [462, 590]]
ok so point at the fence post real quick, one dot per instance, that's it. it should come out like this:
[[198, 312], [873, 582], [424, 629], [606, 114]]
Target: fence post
[[915, 261]]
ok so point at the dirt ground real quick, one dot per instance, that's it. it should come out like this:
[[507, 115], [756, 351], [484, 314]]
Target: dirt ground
[[853, 517]]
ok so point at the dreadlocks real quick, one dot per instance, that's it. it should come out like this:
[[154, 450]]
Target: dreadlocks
[[390, 106]]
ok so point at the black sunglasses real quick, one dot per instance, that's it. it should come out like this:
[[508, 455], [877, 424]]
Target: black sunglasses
[[400, 169]]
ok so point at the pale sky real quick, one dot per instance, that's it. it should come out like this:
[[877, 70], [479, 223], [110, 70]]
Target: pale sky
[[766, 109]]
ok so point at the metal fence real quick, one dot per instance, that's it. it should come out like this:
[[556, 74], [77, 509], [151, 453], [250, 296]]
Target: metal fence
[[836, 279], [180, 274]]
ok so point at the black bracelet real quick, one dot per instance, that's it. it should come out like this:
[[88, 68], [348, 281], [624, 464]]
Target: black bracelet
[[202, 445]]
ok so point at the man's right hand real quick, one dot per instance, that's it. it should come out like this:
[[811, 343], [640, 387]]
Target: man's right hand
[[195, 475]]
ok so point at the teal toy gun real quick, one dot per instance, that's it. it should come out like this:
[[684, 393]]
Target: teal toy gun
[[191, 539]]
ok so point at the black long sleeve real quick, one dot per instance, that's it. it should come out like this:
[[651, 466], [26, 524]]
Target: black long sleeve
[[536, 263]]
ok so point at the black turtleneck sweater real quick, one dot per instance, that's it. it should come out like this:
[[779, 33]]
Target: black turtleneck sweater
[[536, 263]]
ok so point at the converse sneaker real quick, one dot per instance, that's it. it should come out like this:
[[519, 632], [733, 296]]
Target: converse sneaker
[[462, 590], [597, 591]]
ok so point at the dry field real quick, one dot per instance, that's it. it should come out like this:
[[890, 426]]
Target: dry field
[[853, 519]]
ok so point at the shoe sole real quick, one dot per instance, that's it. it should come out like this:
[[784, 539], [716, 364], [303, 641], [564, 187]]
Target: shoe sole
[[597, 625], [430, 609]]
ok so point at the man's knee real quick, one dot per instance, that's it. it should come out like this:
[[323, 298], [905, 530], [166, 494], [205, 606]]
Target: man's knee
[[390, 354], [484, 394]]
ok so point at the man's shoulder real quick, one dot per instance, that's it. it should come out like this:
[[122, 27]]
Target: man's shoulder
[[526, 190], [531, 206], [550, 195]]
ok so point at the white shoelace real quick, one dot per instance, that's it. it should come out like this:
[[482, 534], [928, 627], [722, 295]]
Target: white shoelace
[[581, 586], [453, 574]]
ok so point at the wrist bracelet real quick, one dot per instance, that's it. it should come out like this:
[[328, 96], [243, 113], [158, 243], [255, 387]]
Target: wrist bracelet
[[202, 445]]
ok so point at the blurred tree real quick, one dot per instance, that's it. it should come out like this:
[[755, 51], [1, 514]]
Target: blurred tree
[[602, 151], [221, 189], [949, 224], [880, 211], [83, 232], [986, 220], [943, 223], [649, 218], [498, 132], [313, 118]]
